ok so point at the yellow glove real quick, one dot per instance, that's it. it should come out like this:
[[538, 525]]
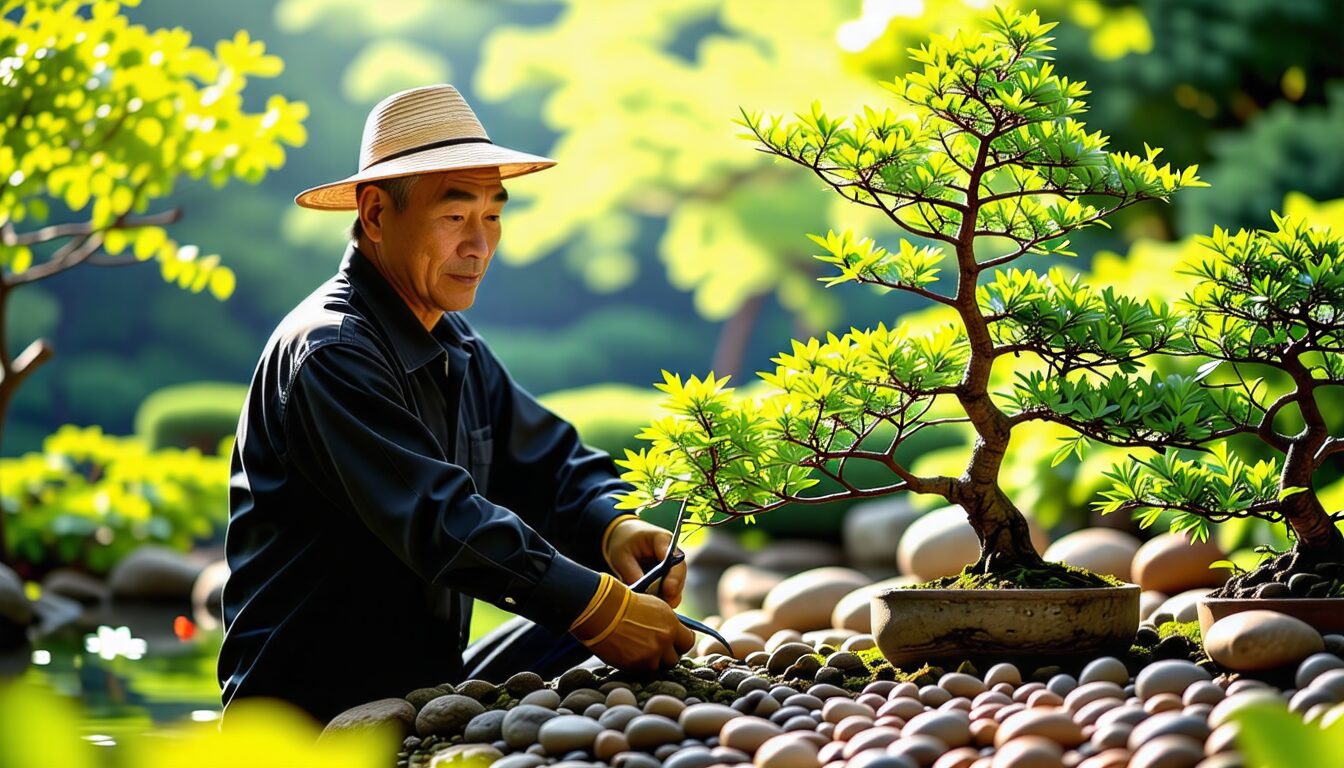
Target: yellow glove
[[630, 545], [629, 630]]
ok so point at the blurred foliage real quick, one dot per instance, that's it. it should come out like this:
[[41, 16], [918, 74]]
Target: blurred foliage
[[198, 415], [41, 728], [102, 117], [1272, 737], [89, 499]]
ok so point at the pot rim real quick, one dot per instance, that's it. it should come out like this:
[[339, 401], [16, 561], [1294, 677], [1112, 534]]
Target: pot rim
[[1268, 600], [1016, 594]]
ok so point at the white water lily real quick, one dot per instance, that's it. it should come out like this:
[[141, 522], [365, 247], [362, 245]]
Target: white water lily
[[110, 643]]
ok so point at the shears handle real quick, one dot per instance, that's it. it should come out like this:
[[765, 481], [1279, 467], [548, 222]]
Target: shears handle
[[651, 583]]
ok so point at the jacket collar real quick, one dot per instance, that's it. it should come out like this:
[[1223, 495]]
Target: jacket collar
[[413, 344]]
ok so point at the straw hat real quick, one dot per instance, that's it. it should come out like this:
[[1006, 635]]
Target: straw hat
[[423, 130]]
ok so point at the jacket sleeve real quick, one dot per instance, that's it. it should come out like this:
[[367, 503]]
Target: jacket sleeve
[[545, 473], [348, 430]]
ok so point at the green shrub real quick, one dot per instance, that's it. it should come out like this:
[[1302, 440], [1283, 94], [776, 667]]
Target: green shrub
[[88, 499], [197, 415]]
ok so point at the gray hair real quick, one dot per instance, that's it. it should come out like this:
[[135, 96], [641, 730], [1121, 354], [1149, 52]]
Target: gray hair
[[398, 188]]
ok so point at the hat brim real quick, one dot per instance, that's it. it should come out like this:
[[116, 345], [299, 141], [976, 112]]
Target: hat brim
[[340, 195]]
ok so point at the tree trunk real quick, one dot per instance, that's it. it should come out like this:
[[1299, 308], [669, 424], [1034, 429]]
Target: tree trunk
[[1005, 539], [1317, 536], [731, 349]]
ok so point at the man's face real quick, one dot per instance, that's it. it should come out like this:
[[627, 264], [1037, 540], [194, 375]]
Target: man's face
[[436, 251]]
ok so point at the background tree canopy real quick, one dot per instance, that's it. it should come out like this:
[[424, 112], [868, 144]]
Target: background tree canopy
[[661, 236]]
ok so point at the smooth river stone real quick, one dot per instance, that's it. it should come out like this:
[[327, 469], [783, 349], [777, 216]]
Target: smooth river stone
[[1172, 563], [1003, 673], [952, 727], [521, 724], [942, 542], [743, 587], [447, 715], [567, 733], [1169, 751], [1105, 668], [1101, 550], [1258, 640], [1089, 692], [1169, 723], [1054, 724], [486, 727], [872, 530], [787, 751], [701, 721], [1167, 676], [1029, 752], [1184, 606], [754, 622], [805, 601], [1312, 667], [747, 733], [647, 732], [374, 714]]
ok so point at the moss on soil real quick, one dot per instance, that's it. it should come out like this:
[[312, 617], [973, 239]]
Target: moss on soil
[[1046, 576], [1187, 629]]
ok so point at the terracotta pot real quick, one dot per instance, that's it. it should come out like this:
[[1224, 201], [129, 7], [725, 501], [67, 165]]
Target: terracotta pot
[[1324, 614], [914, 626]]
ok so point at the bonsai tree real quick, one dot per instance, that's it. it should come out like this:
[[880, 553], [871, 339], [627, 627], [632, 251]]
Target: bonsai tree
[[990, 165], [1269, 315]]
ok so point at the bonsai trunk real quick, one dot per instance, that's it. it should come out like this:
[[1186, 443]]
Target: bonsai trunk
[[1005, 540], [1317, 536]]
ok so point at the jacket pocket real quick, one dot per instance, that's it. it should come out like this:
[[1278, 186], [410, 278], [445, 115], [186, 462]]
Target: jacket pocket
[[480, 449]]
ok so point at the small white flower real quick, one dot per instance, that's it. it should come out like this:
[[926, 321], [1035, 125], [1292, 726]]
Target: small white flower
[[110, 643]]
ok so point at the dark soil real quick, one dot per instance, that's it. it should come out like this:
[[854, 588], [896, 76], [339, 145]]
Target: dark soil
[[1291, 574], [1047, 575]]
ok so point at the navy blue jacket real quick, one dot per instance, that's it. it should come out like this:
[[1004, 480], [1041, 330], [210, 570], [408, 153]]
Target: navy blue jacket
[[383, 476]]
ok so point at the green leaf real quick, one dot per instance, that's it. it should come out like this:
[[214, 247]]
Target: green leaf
[[1273, 737]]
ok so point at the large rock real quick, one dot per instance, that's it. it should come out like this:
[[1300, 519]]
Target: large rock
[[76, 585], [397, 713], [872, 530], [1172, 563], [14, 605], [789, 556], [942, 542], [1257, 640], [447, 715], [754, 622], [1183, 607], [855, 611], [1100, 550], [154, 573], [743, 587], [806, 601]]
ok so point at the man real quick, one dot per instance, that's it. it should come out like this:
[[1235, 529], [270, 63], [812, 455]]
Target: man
[[387, 469]]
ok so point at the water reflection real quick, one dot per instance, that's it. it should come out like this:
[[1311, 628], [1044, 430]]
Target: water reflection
[[130, 665]]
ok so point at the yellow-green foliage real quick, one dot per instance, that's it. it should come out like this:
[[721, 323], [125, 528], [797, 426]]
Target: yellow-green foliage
[[103, 116], [87, 499], [41, 729]]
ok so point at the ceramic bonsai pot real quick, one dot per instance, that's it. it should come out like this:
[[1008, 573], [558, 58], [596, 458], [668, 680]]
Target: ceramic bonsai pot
[[1325, 614], [914, 626]]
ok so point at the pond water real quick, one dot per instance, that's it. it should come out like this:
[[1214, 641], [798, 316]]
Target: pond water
[[128, 668]]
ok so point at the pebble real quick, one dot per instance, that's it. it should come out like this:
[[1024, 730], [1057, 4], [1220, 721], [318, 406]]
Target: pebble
[[922, 750], [1061, 685], [1168, 676], [837, 709], [1029, 752], [664, 705], [961, 684], [1259, 640], [636, 760], [1100, 550], [787, 751], [934, 696], [1089, 692], [785, 656], [1202, 692], [962, 757], [520, 760], [747, 733], [805, 601], [1003, 673], [825, 692], [544, 697], [522, 683], [608, 744], [877, 737], [702, 721], [520, 726], [618, 696], [1172, 563], [1054, 724], [953, 728], [692, 757], [1315, 664], [860, 642], [398, 712], [447, 715], [486, 727], [1169, 723], [649, 731], [1169, 751], [617, 717], [566, 733], [846, 662]]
